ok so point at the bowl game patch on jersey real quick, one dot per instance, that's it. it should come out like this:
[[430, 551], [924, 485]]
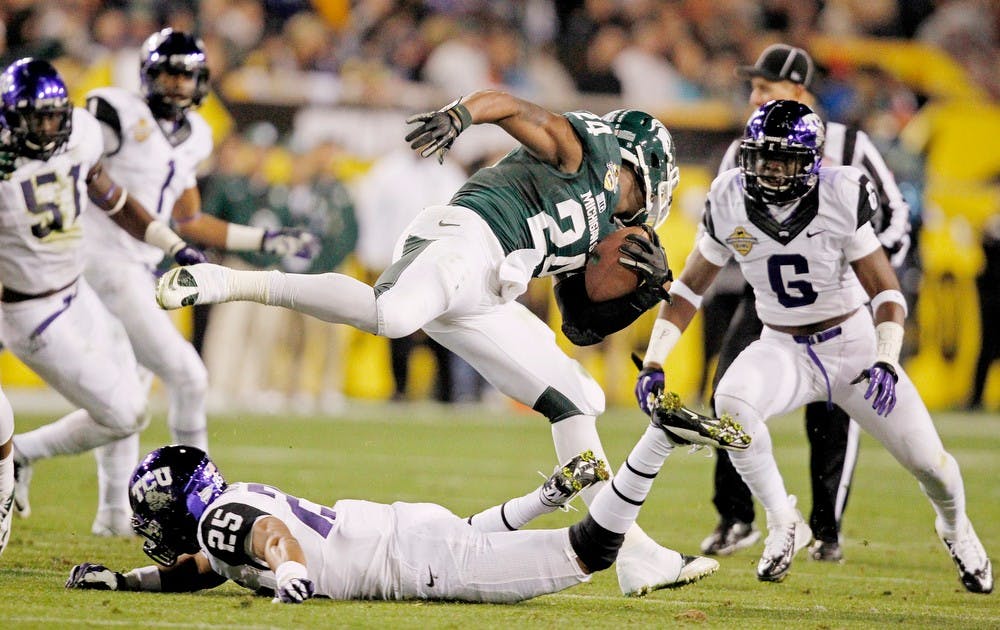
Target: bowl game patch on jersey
[[741, 240]]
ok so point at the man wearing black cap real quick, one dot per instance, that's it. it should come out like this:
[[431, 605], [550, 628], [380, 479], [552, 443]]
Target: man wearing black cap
[[787, 72]]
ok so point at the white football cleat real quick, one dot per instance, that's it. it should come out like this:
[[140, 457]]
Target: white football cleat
[[974, 567], [568, 480], [187, 286], [6, 518], [645, 567], [22, 483], [783, 541]]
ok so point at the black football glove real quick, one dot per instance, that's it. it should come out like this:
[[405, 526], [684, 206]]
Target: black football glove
[[438, 130], [648, 260], [95, 577]]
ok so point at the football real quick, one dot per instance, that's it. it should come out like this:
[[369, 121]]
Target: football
[[604, 278]]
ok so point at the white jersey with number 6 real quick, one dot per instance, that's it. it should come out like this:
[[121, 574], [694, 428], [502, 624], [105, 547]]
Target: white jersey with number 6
[[798, 266]]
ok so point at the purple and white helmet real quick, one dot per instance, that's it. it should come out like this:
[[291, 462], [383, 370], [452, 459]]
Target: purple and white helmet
[[35, 109], [781, 152], [169, 491]]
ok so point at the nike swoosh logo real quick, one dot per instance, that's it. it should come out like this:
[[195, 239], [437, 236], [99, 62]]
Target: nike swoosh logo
[[443, 224], [812, 234], [430, 573]]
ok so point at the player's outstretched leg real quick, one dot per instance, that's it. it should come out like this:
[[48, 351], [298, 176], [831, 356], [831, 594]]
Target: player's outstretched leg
[[683, 426], [974, 567], [579, 473]]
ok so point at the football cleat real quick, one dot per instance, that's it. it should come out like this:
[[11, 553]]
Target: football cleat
[[783, 541], [974, 567], [646, 567], [683, 426], [22, 482], [6, 516], [826, 551], [112, 524], [729, 537], [568, 480], [176, 288]]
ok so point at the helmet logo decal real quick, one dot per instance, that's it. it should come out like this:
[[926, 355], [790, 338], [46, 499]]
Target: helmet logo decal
[[150, 481], [741, 240], [157, 500], [611, 177]]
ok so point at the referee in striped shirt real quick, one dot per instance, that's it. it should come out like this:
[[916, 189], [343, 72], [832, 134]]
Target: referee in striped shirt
[[786, 72]]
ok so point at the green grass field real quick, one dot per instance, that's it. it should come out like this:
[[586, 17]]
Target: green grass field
[[896, 574]]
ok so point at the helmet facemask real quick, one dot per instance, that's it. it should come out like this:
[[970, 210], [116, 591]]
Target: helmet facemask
[[36, 109], [172, 53], [781, 152]]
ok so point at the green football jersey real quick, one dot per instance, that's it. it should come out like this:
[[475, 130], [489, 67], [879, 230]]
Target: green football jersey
[[530, 204]]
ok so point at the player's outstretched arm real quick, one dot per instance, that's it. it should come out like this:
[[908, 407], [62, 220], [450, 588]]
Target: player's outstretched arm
[[190, 573], [547, 135], [211, 231], [128, 213], [273, 543]]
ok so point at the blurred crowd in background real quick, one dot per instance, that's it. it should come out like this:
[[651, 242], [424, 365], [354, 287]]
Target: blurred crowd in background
[[309, 98]]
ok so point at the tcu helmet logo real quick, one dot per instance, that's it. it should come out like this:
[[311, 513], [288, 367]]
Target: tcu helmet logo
[[152, 487]]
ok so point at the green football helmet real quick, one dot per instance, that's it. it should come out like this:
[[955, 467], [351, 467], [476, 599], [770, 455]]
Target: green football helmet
[[647, 145]]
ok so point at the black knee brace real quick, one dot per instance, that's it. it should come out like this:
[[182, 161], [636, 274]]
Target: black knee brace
[[595, 546]]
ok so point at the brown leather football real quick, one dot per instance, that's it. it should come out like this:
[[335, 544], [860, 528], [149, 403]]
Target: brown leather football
[[604, 278]]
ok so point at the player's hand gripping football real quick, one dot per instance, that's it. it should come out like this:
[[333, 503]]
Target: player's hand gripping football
[[648, 385], [438, 130], [882, 379], [290, 242], [95, 577], [646, 258]]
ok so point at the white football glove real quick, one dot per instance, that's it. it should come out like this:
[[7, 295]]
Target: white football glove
[[290, 241], [96, 577]]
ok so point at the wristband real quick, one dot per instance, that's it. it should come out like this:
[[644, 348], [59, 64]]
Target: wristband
[[143, 579], [464, 116], [682, 290], [889, 295], [160, 236], [115, 209], [661, 341], [888, 343], [244, 238], [290, 570]]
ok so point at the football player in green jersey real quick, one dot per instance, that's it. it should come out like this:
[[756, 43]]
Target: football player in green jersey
[[459, 267]]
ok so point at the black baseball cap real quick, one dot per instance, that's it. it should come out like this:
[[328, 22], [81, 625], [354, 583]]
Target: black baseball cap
[[781, 62]]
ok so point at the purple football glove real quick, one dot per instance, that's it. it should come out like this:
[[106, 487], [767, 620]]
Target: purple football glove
[[188, 255], [882, 380], [295, 591], [648, 385], [290, 242]]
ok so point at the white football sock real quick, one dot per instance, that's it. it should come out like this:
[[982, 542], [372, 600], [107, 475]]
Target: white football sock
[[75, 432], [513, 514], [115, 462], [617, 505], [331, 297], [6, 476]]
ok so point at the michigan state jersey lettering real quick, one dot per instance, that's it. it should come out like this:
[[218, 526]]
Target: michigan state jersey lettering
[[530, 204]]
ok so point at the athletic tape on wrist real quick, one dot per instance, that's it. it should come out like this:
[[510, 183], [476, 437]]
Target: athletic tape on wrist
[[464, 116], [290, 570], [160, 236], [889, 295], [682, 290], [888, 343], [661, 341], [144, 579], [244, 238]]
